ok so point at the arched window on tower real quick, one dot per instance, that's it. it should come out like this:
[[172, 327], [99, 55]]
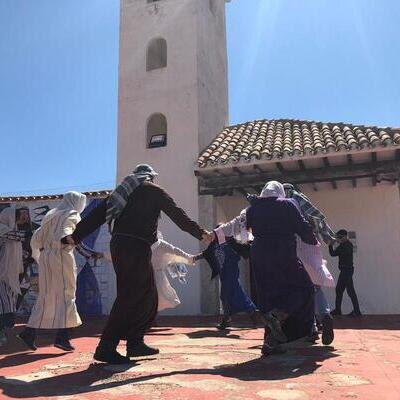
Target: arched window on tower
[[156, 131], [156, 54]]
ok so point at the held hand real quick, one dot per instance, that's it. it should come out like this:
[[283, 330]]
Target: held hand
[[69, 240], [208, 237], [98, 255]]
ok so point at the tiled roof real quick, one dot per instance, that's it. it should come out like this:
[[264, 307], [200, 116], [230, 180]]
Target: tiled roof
[[15, 199], [280, 139]]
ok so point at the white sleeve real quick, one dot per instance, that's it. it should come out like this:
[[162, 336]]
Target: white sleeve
[[232, 228], [169, 254]]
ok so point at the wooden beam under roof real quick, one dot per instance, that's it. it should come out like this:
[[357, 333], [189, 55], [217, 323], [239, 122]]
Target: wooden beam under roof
[[258, 169], [279, 166], [238, 171], [374, 160], [327, 165], [210, 184], [350, 162]]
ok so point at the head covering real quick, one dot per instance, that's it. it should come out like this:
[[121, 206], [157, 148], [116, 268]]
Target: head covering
[[7, 220], [145, 170], [342, 233], [273, 189], [289, 189], [72, 201]]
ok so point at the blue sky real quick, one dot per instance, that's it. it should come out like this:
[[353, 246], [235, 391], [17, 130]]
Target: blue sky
[[312, 59]]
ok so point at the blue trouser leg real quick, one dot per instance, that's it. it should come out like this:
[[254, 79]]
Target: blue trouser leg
[[321, 303]]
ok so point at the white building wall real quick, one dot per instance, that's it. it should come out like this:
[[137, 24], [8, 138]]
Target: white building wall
[[374, 214]]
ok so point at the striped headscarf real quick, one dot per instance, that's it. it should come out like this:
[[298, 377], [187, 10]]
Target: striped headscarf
[[120, 196], [310, 212]]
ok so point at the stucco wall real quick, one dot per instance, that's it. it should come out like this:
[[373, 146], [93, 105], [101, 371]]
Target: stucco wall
[[374, 214]]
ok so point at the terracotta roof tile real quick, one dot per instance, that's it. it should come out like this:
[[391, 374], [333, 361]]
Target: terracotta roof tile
[[280, 139]]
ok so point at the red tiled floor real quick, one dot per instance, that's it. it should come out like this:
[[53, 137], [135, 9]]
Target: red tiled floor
[[197, 362]]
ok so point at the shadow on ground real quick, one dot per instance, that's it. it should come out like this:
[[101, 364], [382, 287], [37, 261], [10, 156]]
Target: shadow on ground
[[84, 381]]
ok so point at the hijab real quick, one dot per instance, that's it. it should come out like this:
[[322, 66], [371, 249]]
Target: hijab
[[273, 189]]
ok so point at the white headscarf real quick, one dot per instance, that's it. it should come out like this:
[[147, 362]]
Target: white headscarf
[[273, 189], [72, 201]]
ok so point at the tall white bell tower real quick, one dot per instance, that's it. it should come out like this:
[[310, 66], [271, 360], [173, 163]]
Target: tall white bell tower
[[172, 100]]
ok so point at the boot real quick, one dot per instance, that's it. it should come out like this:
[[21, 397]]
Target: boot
[[327, 330], [271, 346], [110, 356], [336, 312], [62, 340], [355, 314], [225, 323], [274, 319], [27, 336], [107, 352], [140, 349]]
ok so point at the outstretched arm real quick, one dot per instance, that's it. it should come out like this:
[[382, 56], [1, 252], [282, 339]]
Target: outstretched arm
[[178, 216], [91, 222]]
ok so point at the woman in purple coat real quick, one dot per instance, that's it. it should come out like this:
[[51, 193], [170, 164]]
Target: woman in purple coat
[[285, 292]]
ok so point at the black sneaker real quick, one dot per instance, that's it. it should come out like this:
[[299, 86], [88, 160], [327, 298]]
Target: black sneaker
[[28, 340], [225, 323], [355, 314], [141, 350], [336, 312], [327, 330], [110, 356], [64, 345]]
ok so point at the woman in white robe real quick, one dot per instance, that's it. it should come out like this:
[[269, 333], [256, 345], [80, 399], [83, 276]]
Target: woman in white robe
[[11, 266], [55, 306], [165, 255]]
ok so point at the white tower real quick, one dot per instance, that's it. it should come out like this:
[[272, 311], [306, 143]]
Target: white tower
[[172, 101]]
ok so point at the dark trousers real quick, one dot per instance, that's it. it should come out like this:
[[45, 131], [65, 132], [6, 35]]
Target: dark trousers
[[135, 306], [345, 282]]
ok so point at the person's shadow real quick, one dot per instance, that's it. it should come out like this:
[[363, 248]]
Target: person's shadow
[[292, 365], [207, 333], [14, 360]]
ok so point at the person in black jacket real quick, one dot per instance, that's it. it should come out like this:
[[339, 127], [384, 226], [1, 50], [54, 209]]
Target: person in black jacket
[[346, 266]]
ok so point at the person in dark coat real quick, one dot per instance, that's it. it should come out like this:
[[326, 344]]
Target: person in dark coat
[[284, 289], [133, 211], [346, 266], [285, 293]]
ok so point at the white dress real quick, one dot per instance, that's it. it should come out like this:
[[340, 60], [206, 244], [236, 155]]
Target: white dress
[[165, 254], [55, 306], [11, 263]]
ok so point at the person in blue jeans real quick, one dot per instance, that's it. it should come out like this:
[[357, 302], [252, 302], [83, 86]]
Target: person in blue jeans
[[224, 261], [346, 267]]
